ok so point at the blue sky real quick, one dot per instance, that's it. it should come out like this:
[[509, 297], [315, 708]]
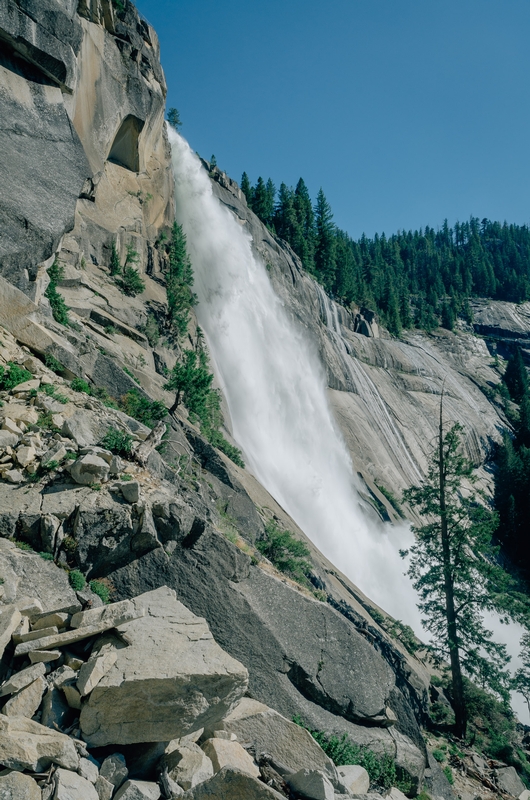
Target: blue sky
[[404, 111]]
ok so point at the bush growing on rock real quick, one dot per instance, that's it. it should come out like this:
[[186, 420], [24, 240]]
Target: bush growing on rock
[[77, 580], [141, 408], [285, 552], [11, 377], [117, 442], [58, 306]]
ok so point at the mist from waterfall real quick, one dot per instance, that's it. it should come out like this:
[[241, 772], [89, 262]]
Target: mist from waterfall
[[275, 388]]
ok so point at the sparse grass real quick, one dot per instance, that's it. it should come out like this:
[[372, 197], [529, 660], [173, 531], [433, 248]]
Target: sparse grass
[[51, 390], [80, 385], [24, 546], [13, 376], [130, 374], [46, 556], [392, 499]]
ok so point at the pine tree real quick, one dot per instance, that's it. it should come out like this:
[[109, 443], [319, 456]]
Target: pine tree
[[246, 188], [173, 117], [516, 377], [325, 261], [452, 566], [260, 200], [521, 679], [114, 266], [179, 282]]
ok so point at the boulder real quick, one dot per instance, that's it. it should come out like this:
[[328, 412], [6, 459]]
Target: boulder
[[84, 428], [88, 769], [229, 783], [43, 656], [89, 469], [269, 732], [188, 765], [224, 753], [26, 386], [509, 781], [8, 439], [355, 778], [26, 702], [22, 679], [25, 744], [17, 786], [71, 786], [395, 794], [114, 770], [524, 795], [138, 790], [58, 619], [26, 455], [56, 453], [130, 491], [312, 784], [10, 618], [114, 614], [186, 682], [56, 713]]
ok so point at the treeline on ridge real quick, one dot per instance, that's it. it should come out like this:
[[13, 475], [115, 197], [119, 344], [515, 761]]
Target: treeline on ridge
[[412, 279]]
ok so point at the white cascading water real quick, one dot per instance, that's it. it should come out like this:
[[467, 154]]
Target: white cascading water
[[275, 388], [276, 393]]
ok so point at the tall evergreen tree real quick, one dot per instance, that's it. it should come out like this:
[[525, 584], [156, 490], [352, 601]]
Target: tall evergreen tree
[[516, 376], [325, 249], [246, 188], [453, 568], [179, 282]]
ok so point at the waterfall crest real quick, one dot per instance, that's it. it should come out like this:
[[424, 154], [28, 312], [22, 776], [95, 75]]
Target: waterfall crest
[[275, 388]]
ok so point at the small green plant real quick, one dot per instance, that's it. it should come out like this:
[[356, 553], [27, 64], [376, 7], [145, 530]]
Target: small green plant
[[448, 772], [50, 466], [46, 556], [118, 442], [102, 394], [96, 487], [77, 580], [392, 499], [130, 282], [141, 408], [58, 306], [114, 266], [102, 590], [12, 376], [51, 391], [439, 755], [24, 546], [80, 385], [71, 456], [285, 552], [53, 364], [126, 477], [45, 421], [110, 329], [130, 374]]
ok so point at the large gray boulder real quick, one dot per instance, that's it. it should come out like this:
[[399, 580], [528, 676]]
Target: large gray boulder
[[25, 744], [171, 679], [17, 786], [229, 783], [509, 781]]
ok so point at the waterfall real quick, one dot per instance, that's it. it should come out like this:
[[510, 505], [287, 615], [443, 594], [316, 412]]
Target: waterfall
[[275, 388]]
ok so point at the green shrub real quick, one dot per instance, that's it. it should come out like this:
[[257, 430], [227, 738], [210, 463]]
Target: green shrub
[[141, 408], [58, 306], [51, 391], [114, 266], [101, 589], [102, 394], [46, 556], [151, 330], [285, 552], [392, 499], [131, 282], [12, 376], [382, 770], [439, 755], [53, 364], [79, 385], [77, 580], [118, 442], [449, 774]]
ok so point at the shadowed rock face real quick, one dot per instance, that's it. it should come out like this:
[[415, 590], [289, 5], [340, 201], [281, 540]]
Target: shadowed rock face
[[76, 88]]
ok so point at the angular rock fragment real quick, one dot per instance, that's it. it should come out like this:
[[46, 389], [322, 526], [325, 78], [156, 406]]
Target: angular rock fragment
[[355, 778], [71, 786], [25, 744], [187, 682], [188, 765], [26, 702], [114, 770], [20, 630], [58, 619], [138, 790], [17, 786], [32, 635], [89, 469], [21, 679], [223, 753], [130, 491], [72, 636], [94, 670], [114, 614], [509, 781], [312, 784], [88, 769], [104, 789], [10, 618], [43, 656], [56, 713], [229, 783]]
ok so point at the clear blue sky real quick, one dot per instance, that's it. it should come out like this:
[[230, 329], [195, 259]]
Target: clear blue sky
[[404, 111]]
